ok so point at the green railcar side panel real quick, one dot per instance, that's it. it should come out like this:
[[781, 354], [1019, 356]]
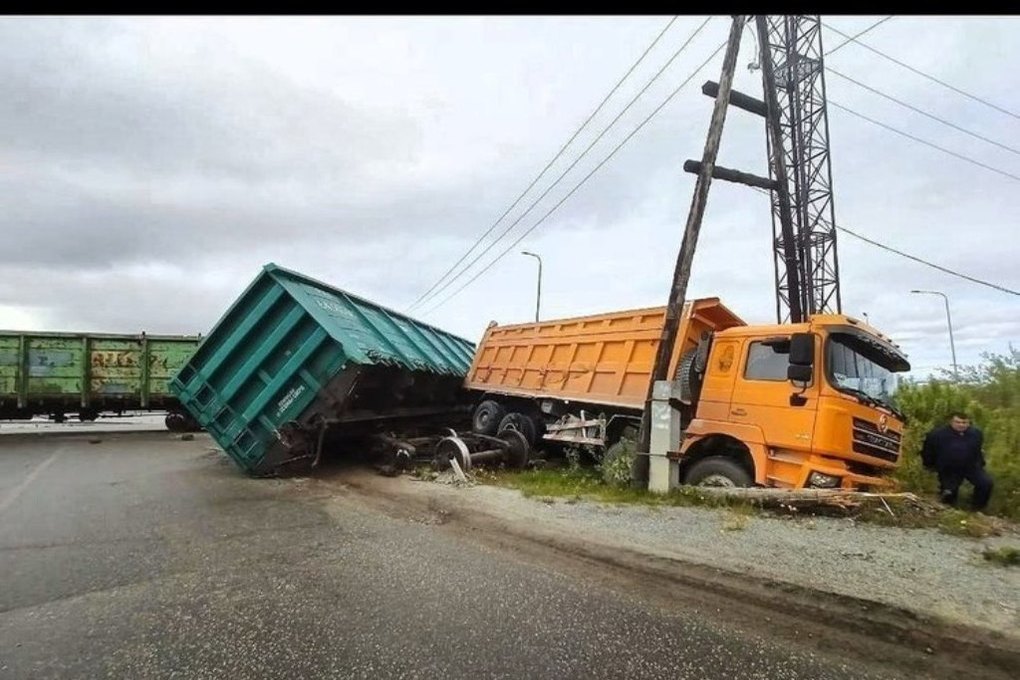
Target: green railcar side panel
[[10, 371], [116, 368], [55, 367], [282, 342], [166, 358]]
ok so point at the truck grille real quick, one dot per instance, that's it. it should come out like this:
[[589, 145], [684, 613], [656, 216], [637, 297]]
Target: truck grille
[[870, 442]]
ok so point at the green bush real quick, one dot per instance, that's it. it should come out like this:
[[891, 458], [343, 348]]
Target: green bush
[[990, 394], [1006, 556]]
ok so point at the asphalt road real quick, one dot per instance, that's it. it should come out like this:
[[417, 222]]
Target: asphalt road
[[143, 556]]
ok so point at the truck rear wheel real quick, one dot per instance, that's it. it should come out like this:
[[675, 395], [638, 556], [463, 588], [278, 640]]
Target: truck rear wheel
[[487, 418], [521, 422], [718, 471]]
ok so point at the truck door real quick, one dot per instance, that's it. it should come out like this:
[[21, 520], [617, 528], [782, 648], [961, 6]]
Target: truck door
[[717, 385], [761, 396]]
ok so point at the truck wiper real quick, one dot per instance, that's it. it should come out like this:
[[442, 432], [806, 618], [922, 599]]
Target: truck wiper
[[869, 400], [862, 396]]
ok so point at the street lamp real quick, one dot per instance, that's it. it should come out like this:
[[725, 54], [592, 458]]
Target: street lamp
[[949, 322], [866, 318], [538, 297]]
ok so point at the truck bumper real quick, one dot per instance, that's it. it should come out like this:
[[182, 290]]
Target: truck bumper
[[848, 479]]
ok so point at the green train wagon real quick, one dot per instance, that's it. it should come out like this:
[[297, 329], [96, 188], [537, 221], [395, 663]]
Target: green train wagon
[[294, 358], [56, 374]]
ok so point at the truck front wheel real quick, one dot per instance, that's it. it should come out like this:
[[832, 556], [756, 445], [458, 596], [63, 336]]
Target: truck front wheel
[[718, 471]]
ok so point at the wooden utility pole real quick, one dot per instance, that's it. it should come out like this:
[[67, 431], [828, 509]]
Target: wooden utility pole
[[682, 272]]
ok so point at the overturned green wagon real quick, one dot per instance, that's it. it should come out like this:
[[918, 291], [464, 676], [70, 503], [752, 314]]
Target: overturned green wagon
[[87, 373], [295, 358]]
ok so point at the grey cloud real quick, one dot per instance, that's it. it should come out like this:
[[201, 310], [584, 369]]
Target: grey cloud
[[148, 174], [74, 101]]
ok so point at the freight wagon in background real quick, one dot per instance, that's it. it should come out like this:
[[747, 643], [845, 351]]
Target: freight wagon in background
[[295, 360], [56, 374]]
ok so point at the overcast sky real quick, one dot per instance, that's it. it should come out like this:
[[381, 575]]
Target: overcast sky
[[152, 166]]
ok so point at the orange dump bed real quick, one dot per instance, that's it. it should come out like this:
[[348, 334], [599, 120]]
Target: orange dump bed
[[603, 359]]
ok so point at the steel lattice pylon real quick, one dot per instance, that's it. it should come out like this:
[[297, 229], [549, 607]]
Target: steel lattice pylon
[[795, 44]]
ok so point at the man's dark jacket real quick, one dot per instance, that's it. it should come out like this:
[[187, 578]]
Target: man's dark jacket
[[947, 449]]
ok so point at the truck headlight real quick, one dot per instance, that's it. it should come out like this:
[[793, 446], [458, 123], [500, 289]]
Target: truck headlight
[[823, 481]]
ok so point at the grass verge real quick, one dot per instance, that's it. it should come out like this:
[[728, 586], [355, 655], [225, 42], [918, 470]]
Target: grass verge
[[579, 483], [576, 484], [1006, 556]]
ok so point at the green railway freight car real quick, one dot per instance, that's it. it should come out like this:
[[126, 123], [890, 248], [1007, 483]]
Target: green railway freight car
[[295, 359], [88, 373]]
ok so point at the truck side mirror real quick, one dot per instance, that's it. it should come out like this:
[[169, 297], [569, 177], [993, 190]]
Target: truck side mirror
[[802, 350], [797, 373]]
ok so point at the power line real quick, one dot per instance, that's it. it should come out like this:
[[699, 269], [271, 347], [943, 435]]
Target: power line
[[584, 153], [923, 74], [656, 111], [662, 105], [929, 264], [829, 69], [837, 47], [551, 162], [926, 142], [432, 292], [583, 180], [850, 39], [939, 267]]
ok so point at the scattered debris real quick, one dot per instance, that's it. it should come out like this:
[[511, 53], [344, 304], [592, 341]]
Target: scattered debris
[[823, 501], [436, 518], [866, 556], [457, 471], [449, 476]]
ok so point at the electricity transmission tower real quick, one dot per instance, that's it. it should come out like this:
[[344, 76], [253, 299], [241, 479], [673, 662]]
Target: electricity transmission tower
[[791, 48]]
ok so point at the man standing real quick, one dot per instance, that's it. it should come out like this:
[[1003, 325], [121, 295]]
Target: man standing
[[954, 452]]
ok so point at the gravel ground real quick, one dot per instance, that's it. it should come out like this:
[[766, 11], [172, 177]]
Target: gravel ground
[[918, 569]]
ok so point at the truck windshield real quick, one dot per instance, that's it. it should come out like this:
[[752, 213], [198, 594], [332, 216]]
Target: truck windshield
[[853, 366]]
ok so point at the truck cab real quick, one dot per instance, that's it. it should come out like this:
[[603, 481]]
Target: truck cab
[[794, 406]]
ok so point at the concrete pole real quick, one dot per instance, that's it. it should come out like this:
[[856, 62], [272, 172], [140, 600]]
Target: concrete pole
[[949, 322], [538, 296]]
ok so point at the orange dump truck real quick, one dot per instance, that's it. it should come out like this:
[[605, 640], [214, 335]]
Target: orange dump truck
[[793, 406]]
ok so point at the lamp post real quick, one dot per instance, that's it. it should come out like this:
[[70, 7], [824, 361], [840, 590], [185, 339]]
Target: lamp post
[[538, 297], [949, 322]]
